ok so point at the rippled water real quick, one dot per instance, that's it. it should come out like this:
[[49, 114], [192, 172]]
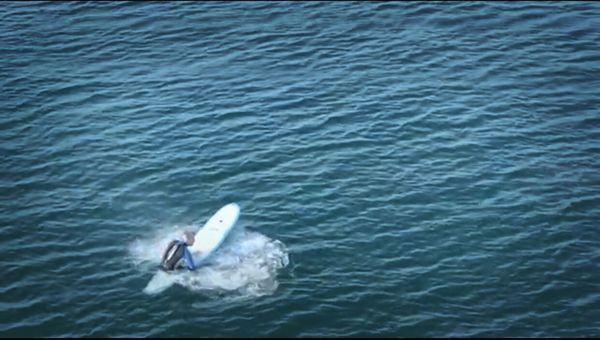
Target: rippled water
[[403, 169]]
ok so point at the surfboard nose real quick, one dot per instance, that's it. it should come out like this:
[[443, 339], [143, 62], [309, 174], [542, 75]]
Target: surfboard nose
[[233, 207]]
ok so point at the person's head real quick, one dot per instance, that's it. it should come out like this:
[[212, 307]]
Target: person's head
[[189, 237]]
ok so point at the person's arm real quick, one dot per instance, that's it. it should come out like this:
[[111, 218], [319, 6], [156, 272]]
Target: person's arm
[[187, 256]]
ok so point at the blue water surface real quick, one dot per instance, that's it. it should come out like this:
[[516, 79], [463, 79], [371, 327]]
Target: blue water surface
[[421, 169]]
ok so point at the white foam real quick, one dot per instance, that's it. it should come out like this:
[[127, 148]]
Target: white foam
[[246, 263]]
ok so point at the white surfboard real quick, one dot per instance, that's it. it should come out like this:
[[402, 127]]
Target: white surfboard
[[159, 282], [206, 242], [214, 231]]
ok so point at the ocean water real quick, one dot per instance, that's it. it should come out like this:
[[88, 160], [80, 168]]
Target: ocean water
[[403, 169]]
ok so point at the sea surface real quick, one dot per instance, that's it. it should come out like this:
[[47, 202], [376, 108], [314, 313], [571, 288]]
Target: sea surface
[[404, 169]]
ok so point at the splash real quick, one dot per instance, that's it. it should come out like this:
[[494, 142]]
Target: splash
[[246, 263]]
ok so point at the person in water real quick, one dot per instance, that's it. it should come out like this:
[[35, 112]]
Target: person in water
[[178, 250]]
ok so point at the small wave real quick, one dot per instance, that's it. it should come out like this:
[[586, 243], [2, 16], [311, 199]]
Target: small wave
[[247, 263]]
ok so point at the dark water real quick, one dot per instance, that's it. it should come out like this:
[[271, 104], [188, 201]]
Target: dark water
[[403, 169]]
